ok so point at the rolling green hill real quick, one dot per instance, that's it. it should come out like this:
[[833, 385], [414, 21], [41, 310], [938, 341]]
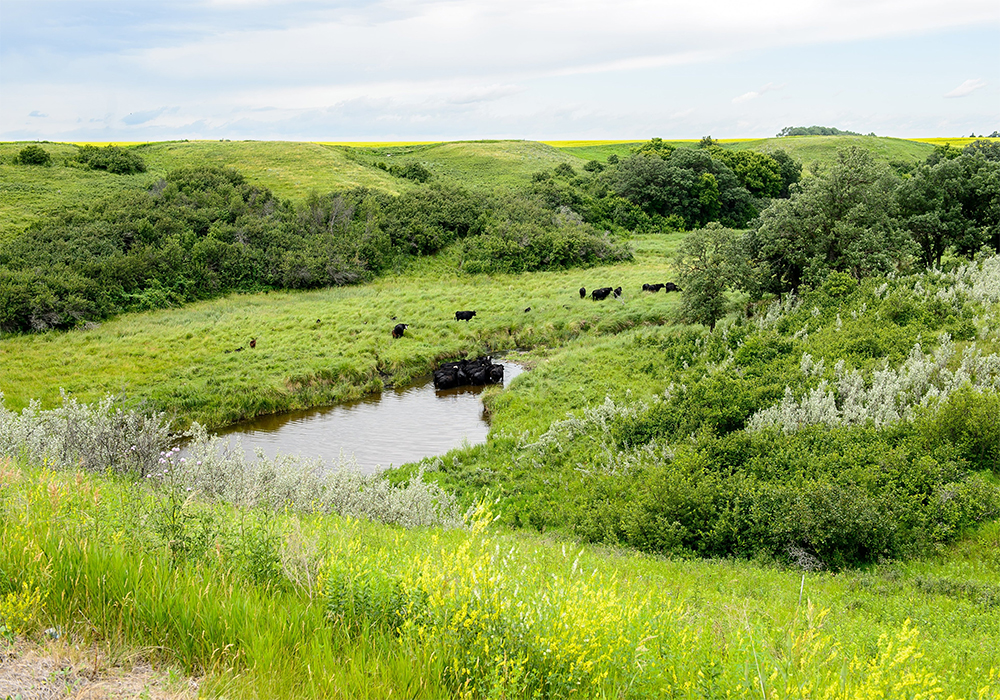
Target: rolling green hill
[[823, 149], [292, 170]]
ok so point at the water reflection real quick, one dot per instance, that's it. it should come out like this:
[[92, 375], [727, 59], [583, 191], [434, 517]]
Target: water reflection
[[392, 428]]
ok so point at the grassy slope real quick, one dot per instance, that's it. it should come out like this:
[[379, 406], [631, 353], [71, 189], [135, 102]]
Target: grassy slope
[[823, 149], [291, 170], [478, 164], [33, 193], [702, 627], [177, 358], [806, 148]]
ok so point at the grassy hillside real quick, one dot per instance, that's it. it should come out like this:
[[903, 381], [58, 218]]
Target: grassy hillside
[[823, 149], [478, 164], [288, 605], [293, 170], [30, 194]]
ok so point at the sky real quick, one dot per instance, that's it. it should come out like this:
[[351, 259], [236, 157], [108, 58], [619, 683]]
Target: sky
[[431, 70]]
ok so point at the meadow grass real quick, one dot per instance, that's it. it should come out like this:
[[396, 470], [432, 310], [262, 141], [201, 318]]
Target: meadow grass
[[477, 612], [291, 170], [823, 149], [329, 345], [29, 194], [478, 164]]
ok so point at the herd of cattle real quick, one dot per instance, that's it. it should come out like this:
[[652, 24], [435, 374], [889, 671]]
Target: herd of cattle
[[476, 372], [597, 295], [482, 370]]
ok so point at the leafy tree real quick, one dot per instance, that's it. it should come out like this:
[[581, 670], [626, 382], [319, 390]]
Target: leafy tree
[[656, 146], [33, 154], [706, 262], [990, 150], [842, 219], [790, 169], [678, 186], [758, 172], [943, 152], [931, 206], [707, 142], [564, 170]]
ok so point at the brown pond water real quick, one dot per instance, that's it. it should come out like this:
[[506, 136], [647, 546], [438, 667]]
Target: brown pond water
[[399, 425]]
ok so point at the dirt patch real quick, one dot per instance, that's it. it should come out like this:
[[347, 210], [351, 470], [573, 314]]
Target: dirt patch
[[57, 670]]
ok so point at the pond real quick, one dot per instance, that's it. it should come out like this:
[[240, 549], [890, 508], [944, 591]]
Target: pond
[[389, 429]]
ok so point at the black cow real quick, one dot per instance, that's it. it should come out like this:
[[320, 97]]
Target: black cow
[[671, 287], [599, 294], [617, 292], [583, 292], [527, 309], [652, 287], [464, 315], [464, 372], [397, 332]]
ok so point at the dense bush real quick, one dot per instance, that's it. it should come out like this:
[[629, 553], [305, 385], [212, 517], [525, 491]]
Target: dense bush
[[519, 234], [836, 428], [113, 159], [33, 155]]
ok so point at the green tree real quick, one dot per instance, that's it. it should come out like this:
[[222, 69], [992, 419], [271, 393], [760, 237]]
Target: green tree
[[842, 219], [758, 172], [706, 261], [791, 171], [990, 150], [33, 155], [656, 146]]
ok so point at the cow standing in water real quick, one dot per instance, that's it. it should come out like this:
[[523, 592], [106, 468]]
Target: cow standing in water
[[397, 332]]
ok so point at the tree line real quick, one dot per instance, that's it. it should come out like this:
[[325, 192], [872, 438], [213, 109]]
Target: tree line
[[857, 218]]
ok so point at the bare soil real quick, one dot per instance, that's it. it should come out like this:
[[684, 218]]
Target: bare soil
[[30, 671]]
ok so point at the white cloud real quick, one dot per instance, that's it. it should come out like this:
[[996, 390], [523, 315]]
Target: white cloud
[[747, 96], [969, 86], [280, 63]]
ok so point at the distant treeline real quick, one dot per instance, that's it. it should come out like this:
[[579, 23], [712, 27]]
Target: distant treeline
[[814, 131]]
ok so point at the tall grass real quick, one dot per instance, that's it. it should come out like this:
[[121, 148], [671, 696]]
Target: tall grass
[[477, 613]]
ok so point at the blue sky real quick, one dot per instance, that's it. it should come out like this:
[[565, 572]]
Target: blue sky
[[462, 69]]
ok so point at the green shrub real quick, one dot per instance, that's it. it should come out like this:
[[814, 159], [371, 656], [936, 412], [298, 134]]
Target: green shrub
[[969, 420], [113, 159], [33, 155]]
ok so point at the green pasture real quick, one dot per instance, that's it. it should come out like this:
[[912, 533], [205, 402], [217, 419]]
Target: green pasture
[[329, 345]]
